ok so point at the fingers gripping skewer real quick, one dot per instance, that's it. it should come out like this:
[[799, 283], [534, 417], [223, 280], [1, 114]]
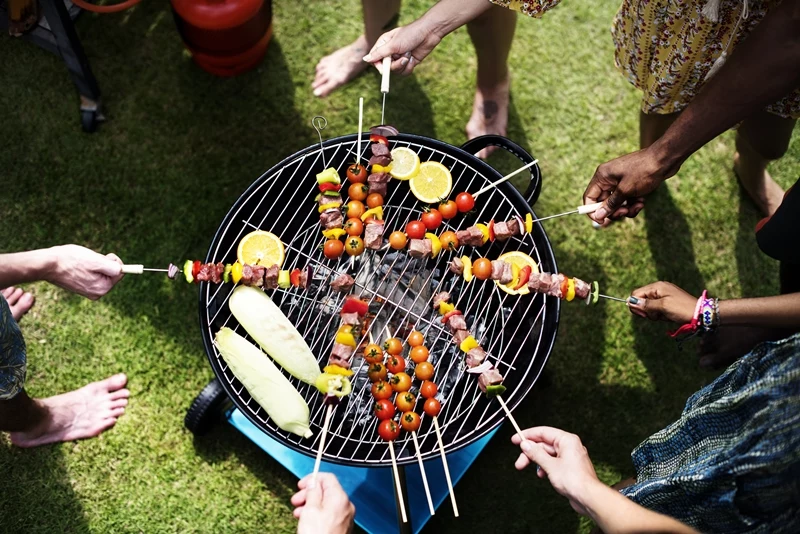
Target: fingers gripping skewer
[[511, 418], [505, 178], [446, 468], [325, 425], [386, 69], [424, 476], [397, 486]]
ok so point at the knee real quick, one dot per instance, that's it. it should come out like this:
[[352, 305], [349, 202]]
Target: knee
[[768, 149]]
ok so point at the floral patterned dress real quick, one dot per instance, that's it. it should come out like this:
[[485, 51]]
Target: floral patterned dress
[[667, 47]]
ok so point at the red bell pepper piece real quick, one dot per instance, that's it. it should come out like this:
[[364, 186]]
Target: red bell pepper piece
[[196, 269], [294, 277], [329, 187], [524, 276], [446, 316], [355, 305], [564, 287], [378, 139], [491, 230]]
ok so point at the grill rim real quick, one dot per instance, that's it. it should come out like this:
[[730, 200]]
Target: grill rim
[[552, 321]]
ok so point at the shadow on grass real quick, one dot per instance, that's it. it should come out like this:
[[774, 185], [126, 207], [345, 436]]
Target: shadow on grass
[[37, 492]]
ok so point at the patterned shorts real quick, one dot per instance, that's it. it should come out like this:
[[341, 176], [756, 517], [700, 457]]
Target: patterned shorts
[[13, 360]]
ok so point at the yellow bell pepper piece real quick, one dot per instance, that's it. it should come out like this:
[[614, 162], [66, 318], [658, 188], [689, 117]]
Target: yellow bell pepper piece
[[376, 212], [446, 307], [468, 344], [334, 233], [236, 272], [380, 168], [329, 205], [467, 268], [571, 289], [436, 244], [515, 274], [484, 230], [528, 223], [336, 370], [346, 338]]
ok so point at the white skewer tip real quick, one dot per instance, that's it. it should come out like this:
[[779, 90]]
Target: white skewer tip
[[325, 425], [397, 486], [446, 468], [424, 476]]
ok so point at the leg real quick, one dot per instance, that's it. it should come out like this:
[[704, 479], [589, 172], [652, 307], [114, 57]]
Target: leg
[[492, 34], [760, 139], [338, 68], [652, 126], [83, 413], [18, 300]]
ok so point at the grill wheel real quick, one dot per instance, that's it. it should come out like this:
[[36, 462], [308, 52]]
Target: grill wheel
[[206, 409]]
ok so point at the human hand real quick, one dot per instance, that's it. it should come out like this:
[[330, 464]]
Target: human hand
[[408, 46], [622, 183], [324, 507], [663, 301], [562, 458], [84, 271]]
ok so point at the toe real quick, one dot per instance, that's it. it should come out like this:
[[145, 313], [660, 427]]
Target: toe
[[14, 296], [119, 403], [114, 413], [6, 291], [25, 302], [112, 383], [119, 394]]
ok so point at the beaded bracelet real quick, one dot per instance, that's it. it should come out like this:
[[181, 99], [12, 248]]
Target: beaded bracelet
[[708, 314]]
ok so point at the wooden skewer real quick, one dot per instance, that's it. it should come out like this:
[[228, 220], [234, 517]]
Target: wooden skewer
[[505, 178], [424, 476], [328, 414], [398, 488], [360, 125], [446, 468], [511, 418]]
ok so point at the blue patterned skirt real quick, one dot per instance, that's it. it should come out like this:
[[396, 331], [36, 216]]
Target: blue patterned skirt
[[731, 463], [13, 361]]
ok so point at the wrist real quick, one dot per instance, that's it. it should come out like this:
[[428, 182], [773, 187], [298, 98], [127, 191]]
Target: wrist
[[590, 496], [45, 264], [666, 157]]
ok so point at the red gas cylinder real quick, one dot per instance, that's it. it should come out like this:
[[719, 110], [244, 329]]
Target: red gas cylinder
[[225, 37]]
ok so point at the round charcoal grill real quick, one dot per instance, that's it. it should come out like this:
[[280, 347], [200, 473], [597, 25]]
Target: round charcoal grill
[[517, 332]]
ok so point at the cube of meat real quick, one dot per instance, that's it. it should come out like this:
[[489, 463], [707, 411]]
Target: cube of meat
[[216, 273], [333, 360], [305, 275], [420, 248], [514, 227], [379, 149], [582, 289], [545, 279], [325, 199], [253, 275], [492, 377], [331, 218], [380, 189], [373, 235], [442, 296], [342, 283], [204, 274], [343, 352], [350, 318], [456, 266], [460, 335], [472, 236], [533, 282], [383, 161], [456, 322], [555, 285], [508, 273], [378, 182], [271, 277], [501, 231], [497, 269], [475, 357]]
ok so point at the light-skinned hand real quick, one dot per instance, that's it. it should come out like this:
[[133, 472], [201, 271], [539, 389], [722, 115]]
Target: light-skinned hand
[[408, 46], [85, 272], [323, 508], [663, 301]]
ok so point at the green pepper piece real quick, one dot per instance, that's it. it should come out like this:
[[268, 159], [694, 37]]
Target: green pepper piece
[[338, 385], [226, 274], [595, 292], [187, 271], [329, 176], [493, 390]]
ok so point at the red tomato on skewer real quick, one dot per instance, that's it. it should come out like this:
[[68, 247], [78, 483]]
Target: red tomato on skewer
[[388, 430]]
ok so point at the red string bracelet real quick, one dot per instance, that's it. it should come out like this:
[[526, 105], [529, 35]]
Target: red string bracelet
[[691, 327]]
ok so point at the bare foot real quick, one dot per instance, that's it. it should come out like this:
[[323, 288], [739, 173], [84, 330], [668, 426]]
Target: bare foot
[[83, 413], [728, 344], [762, 189], [18, 300], [337, 69], [489, 113]]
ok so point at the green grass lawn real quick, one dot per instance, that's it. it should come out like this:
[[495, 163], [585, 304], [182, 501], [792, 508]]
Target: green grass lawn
[[180, 146]]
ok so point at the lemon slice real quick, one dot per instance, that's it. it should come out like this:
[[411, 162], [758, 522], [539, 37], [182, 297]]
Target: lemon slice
[[518, 260], [405, 163], [432, 183], [261, 248]]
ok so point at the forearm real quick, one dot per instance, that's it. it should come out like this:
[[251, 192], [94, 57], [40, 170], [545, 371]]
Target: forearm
[[762, 69], [782, 311], [616, 514], [31, 266], [448, 15]]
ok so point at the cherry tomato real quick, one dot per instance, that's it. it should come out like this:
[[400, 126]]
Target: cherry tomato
[[333, 248], [396, 364], [375, 138], [424, 371], [358, 192], [377, 372], [373, 353], [355, 208], [354, 227], [432, 407], [393, 346], [419, 354], [374, 200], [384, 409], [357, 173], [465, 202], [388, 430], [405, 401], [354, 245], [398, 240], [428, 389], [415, 230], [400, 382], [449, 240], [415, 338], [448, 209], [482, 269], [410, 421], [432, 219], [382, 390]]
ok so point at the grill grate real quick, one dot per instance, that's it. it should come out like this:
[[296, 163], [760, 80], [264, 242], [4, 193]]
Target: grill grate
[[517, 332]]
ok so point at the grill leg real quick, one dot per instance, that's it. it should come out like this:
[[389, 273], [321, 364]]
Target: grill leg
[[404, 528]]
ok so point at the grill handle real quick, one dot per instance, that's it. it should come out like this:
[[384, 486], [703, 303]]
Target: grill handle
[[531, 194]]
